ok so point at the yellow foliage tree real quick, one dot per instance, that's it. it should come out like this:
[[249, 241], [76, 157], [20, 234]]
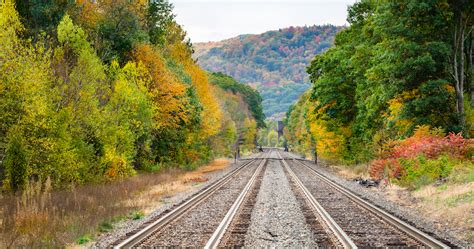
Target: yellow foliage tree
[[167, 92], [178, 49], [309, 130], [211, 114]]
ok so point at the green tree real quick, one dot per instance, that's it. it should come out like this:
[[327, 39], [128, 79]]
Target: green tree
[[42, 15], [16, 163], [159, 17], [272, 138], [387, 73], [120, 30]]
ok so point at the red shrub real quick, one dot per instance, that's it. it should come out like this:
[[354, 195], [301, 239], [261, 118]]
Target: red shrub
[[424, 142], [382, 168], [432, 146]]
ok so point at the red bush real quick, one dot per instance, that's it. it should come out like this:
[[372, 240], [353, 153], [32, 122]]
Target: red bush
[[425, 143], [432, 146]]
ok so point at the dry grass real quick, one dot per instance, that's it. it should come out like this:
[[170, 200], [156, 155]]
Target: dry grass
[[351, 172], [42, 218], [399, 195], [157, 195], [451, 204]]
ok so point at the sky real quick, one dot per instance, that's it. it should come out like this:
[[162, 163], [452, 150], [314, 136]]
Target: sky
[[215, 20]]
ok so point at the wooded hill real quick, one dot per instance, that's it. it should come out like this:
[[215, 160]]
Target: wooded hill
[[274, 62], [98, 90]]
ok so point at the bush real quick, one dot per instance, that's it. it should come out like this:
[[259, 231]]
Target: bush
[[421, 171], [422, 158]]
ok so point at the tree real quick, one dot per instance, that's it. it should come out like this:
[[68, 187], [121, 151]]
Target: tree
[[121, 28], [107, 89], [272, 138], [159, 18], [40, 15], [251, 96], [387, 74], [16, 163], [462, 26]]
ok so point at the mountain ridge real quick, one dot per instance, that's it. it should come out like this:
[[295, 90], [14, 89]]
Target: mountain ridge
[[274, 62]]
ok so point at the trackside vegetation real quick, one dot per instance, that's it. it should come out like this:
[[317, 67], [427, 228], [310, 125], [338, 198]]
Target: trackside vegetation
[[93, 91], [396, 91]]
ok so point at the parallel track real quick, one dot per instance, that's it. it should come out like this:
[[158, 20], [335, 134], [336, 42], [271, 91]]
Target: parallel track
[[231, 214], [329, 225], [332, 229], [335, 229], [424, 239], [135, 239]]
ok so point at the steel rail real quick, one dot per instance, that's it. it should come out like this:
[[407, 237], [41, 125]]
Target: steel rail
[[216, 237], [341, 236], [177, 212], [408, 229]]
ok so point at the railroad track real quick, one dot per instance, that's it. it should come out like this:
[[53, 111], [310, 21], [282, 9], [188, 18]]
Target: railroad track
[[240, 216], [339, 216], [139, 238], [333, 228], [355, 223]]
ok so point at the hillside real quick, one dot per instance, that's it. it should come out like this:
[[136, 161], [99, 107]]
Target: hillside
[[274, 62], [116, 104]]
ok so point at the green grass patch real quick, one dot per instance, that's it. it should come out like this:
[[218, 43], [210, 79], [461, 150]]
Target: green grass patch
[[84, 239], [422, 171], [463, 173], [105, 226], [137, 215], [460, 199]]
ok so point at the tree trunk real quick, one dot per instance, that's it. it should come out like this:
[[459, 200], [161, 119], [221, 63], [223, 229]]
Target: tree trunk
[[461, 69], [458, 65], [469, 69]]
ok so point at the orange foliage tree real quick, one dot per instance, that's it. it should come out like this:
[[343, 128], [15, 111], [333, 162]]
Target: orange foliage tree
[[167, 92], [180, 50]]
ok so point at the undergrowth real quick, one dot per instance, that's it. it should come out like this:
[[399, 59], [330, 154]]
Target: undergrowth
[[424, 158], [42, 218]]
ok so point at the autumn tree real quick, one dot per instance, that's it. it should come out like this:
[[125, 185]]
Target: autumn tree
[[388, 73], [103, 90]]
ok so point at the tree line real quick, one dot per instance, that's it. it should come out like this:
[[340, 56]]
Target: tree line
[[98, 90], [399, 66]]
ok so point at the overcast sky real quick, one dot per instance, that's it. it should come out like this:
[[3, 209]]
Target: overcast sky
[[214, 20]]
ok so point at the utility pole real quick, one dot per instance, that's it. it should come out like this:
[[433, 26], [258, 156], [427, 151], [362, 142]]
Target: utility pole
[[315, 156], [240, 140], [315, 149]]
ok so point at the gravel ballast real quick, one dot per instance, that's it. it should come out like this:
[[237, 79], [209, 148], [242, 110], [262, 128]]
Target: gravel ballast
[[277, 220]]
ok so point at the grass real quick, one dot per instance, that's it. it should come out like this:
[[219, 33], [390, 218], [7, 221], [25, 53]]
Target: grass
[[138, 215], [106, 226], [44, 218], [352, 172], [452, 203], [84, 239]]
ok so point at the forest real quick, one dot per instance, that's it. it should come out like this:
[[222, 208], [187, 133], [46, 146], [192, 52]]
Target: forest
[[92, 91], [273, 62], [395, 91]]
